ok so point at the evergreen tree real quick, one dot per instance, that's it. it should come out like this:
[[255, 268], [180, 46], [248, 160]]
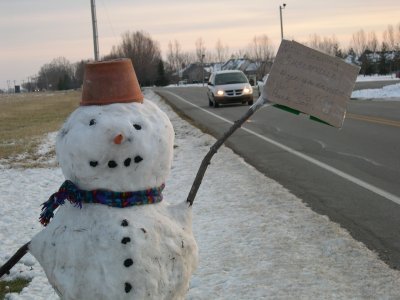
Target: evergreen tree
[[367, 66], [352, 55], [162, 79], [338, 52], [64, 83], [384, 63], [396, 62]]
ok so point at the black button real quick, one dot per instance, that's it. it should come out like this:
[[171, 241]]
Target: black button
[[128, 262], [128, 287], [124, 223]]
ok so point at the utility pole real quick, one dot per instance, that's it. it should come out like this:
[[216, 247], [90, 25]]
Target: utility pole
[[202, 67], [280, 13], [95, 35]]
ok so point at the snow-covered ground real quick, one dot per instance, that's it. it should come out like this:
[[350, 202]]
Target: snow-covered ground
[[256, 240], [389, 92]]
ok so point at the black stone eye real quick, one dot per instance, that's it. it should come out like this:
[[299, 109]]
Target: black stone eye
[[128, 262], [137, 126], [125, 240], [93, 163], [92, 122], [138, 159]]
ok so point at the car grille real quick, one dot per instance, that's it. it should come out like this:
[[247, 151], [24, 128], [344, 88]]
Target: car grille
[[234, 92]]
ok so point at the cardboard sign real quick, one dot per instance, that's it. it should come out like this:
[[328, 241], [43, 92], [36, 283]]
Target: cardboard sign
[[311, 82]]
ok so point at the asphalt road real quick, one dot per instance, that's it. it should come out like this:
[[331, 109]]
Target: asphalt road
[[351, 175]]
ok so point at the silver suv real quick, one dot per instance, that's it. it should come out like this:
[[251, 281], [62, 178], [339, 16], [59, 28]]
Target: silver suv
[[230, 86]]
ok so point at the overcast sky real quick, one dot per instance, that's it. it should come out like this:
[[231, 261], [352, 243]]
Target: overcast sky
[[33, 32]]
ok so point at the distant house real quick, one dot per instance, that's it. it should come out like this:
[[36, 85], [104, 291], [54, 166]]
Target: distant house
[[194, 73], [236, 64], [214, 67]]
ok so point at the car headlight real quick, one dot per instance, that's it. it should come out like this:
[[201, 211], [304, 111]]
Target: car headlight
[[220, 93], [247, 90]]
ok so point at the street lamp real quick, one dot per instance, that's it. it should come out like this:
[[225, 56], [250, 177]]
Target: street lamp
[[280, 13]]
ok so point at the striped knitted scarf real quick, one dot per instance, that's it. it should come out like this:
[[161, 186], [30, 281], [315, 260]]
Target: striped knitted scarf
[[69, 191]]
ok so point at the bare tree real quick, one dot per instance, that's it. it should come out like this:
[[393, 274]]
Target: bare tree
[[359, 42], [388, 37], [261, 48], [178, 59], [79, 68], [221, 51], [240, 53], [397, 37], [261, 51], [187, 58], [143, 51], [200, 49], [314, 41], [329, 45], [372, 42], [56, 75], [174, 56]]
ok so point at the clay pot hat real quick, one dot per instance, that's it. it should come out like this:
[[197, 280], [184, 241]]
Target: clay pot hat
[[109, 82]]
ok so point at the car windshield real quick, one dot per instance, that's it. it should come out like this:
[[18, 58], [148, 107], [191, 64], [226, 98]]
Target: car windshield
[[230, 78]]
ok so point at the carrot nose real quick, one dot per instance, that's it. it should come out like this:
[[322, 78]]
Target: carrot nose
[[118, 139]]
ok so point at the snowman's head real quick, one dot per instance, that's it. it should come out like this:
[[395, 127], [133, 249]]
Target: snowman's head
[[118, 147]]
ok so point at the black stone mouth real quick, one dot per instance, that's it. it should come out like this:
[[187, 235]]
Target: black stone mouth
[[127, 162], [113, 164]]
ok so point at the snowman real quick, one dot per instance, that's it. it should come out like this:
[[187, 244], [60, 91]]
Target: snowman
[[113, 236]]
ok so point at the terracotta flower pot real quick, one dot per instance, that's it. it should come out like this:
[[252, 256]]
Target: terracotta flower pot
[[109, 82]]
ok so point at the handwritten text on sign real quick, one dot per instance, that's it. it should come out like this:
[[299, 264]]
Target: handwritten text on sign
[[310, 81]]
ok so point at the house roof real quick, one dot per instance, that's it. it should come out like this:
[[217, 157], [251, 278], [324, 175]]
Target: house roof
[[242, 64]]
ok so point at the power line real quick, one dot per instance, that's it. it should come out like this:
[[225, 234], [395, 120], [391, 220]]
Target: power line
[[109, 20]]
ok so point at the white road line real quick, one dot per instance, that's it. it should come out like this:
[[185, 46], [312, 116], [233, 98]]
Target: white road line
[[318, 163]]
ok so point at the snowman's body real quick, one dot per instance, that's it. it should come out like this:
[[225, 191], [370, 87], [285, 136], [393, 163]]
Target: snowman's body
[[102, 252]]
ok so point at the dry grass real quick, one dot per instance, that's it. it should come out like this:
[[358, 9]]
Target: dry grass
[[14, 286], [26, 118]]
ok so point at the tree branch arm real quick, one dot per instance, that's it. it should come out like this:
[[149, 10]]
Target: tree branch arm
[[214, 148], [5, 269]]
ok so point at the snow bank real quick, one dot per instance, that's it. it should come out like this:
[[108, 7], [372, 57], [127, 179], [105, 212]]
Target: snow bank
[[376, 77], [389, 92]]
